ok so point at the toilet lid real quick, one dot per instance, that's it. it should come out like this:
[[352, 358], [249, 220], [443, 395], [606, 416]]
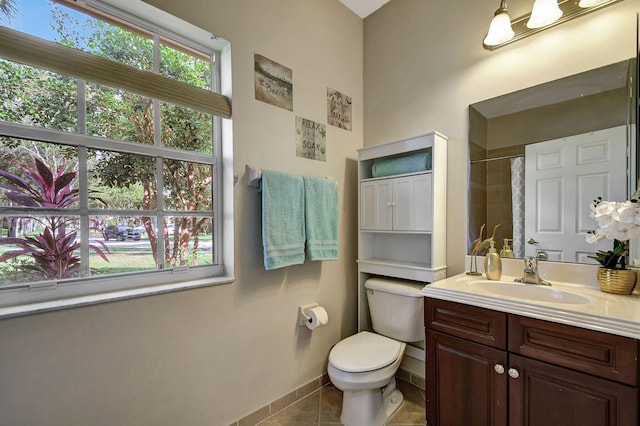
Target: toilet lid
[[364, 351]]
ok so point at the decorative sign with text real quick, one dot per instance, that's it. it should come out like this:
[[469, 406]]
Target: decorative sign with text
[[311, 139], [274, 82], [338, 109]]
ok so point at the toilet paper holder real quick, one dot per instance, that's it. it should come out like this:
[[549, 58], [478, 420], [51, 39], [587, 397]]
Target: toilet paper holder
[[303, 317]]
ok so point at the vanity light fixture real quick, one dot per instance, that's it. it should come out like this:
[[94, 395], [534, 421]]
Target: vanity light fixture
[[545, 14], [500, 30]]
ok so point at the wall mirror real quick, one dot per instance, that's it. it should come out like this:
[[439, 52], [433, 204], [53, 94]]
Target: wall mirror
[[540, 156]]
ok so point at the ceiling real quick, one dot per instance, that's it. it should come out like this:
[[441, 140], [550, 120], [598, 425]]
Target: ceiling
[[364, 8]]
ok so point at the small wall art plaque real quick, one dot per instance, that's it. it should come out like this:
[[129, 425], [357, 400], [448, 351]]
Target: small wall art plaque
[[311, 138], [338, 109], [274, 82]]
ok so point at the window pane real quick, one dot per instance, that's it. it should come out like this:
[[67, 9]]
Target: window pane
[[193, 68], [49, 172], [123, 181], [35, 97], [39, 248], [16, 270], [186, 129], [101, 38], [187, 186], [128, 244], [116, 114], [121, 45], [51, 21], [189, 241]]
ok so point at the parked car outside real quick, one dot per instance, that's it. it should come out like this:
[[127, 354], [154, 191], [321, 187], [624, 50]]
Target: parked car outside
[[121, 233]]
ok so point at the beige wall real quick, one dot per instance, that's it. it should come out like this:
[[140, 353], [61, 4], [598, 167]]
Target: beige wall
[[424, 64], [212, 355]]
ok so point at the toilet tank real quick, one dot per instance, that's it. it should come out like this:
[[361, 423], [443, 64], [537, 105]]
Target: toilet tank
[[396, 308]]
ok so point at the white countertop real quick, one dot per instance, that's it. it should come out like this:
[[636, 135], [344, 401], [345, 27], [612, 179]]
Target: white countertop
[[610, 313]]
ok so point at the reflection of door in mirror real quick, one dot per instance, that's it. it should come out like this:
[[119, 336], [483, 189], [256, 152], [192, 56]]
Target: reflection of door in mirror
[[571, 171], [501, 128]]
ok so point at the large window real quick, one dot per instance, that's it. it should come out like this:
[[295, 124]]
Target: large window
[[111, 149]]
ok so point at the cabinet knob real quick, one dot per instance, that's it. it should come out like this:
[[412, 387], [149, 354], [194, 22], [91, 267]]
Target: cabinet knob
[[499, 368], [513, 373]]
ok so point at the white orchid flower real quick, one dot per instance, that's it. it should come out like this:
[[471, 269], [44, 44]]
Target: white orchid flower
[[593, 238], [605, 208], [616, 221], [624, 212]]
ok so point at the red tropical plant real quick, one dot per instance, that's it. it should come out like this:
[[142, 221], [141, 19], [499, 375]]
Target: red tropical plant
[[53, 249]]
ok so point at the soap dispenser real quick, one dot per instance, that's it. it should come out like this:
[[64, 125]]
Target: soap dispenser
[[506, 250], [492, 263]]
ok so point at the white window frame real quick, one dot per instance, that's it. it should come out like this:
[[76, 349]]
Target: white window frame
[[45, 296]]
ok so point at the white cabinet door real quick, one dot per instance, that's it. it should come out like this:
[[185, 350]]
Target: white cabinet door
[[396, 204], [412, 203], [375, 205]]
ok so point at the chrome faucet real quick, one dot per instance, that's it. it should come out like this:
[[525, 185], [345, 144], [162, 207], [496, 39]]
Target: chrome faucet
[[531, 275]]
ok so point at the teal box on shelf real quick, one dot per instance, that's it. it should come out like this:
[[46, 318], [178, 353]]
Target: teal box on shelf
[[400, 165]]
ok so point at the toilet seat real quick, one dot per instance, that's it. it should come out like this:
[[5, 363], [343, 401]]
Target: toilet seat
[[363, 352]]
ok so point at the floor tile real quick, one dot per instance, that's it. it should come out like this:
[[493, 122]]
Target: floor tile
[[304, 412], [330, 405], [413, 407], [322, 408]]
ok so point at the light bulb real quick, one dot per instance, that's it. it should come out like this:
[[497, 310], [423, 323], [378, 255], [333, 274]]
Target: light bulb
[[500, 30], [545, 12]]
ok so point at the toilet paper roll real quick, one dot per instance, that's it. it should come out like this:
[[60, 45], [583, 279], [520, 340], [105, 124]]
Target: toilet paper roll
[[317, 317]]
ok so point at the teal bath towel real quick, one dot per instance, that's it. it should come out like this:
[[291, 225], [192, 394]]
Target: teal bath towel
[[321, 217], [405, 164], [283, 226]]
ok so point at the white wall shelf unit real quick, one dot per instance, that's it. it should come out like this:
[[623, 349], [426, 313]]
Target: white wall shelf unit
[[402, 217]]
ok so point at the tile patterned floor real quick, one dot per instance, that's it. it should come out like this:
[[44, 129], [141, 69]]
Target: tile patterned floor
[[322, 408]]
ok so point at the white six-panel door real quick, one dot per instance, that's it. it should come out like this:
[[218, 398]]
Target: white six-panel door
[[563, 176]]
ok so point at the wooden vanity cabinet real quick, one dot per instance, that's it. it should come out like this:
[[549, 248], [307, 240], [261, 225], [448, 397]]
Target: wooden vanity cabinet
[[545, 394], [486, 367], [600, 354], [462, 386], [465, 347]]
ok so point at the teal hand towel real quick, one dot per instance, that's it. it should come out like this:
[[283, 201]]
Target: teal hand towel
[[283, 226], [321, 218], [404, 164]]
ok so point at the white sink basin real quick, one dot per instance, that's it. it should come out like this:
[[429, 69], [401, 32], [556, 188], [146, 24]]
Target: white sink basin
[[527, 292]]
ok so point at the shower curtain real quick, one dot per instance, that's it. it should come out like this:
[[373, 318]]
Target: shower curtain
[[517, 203]]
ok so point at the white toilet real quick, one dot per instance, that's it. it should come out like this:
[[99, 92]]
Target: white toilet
[[361, 365]]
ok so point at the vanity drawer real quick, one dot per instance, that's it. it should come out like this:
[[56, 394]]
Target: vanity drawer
[[468, 322], [601, 354]]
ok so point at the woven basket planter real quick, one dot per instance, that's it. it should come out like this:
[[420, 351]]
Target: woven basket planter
[[617, 281]]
